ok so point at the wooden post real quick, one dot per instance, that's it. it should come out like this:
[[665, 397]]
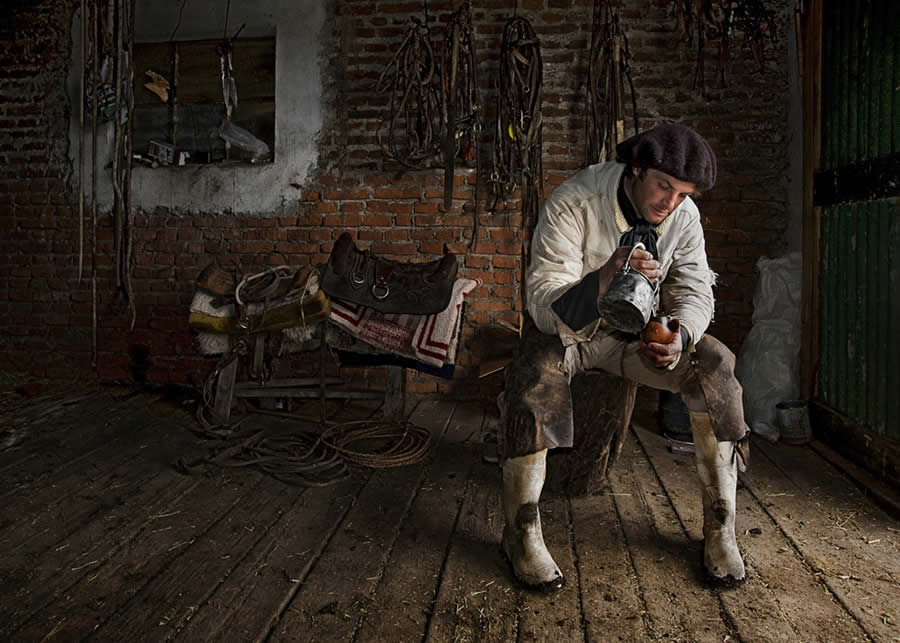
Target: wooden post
[[395, 394], [257, 372], [323, 381], [225, 392], [810, 45]]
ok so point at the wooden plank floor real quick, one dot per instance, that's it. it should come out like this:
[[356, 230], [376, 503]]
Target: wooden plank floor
[[102, 539]]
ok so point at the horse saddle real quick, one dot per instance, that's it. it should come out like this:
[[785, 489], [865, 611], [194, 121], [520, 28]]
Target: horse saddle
[[388, 286]]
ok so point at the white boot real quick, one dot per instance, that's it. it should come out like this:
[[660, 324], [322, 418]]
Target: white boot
[[717, 466], [523, 542]]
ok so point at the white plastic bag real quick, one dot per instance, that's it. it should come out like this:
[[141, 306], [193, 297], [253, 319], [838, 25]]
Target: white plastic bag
[[239, 137], [767, 363]]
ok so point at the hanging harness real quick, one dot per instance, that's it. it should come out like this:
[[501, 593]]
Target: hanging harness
[[519, 123], [720, 19], [408, 134], [434, 112], [608, 71], [461, 122]]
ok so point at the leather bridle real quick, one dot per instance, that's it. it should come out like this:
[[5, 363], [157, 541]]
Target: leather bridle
[[608, 72], [408, 134], [517, 152]]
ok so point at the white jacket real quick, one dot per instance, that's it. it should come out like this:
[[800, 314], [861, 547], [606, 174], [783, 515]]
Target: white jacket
[[577, 232]]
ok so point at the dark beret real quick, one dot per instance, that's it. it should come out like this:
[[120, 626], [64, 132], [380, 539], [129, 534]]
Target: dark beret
[[674, 149]]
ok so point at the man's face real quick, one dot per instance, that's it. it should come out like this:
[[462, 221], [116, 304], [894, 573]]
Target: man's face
[[656, 194]]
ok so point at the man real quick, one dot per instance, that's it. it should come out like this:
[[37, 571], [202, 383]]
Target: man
[[586, 231]]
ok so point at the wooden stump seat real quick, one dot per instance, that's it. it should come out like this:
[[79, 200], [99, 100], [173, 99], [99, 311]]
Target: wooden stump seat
[[602, 406]]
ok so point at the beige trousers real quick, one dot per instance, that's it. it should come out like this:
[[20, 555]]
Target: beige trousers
[[613, 354], [537, 401]]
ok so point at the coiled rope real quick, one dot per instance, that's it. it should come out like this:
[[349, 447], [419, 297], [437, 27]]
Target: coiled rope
[[391, 445], [308, 459], [302, 459], [305, 458]]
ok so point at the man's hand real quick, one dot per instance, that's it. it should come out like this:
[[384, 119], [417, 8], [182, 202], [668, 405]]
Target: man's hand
[[662, 355], [641, 260]]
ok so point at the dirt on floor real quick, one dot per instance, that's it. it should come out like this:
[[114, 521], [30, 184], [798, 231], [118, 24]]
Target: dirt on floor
[[104, 537]]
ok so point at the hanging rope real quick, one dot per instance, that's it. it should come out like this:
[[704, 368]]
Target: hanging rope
[[81, 98], [128, 256], [433, 109], [95, 83], [408, 134], [609, 70], [519, 122], [121, 163], [754, 20]]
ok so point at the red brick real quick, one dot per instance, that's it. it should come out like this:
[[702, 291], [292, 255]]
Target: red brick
[[505, 262], [396, 235], [394, 248], [377, 220], [476, 261], [400, 207], [397, 193], [426, 207]]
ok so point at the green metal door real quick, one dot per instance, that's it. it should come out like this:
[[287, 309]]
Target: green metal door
[[859, 372]]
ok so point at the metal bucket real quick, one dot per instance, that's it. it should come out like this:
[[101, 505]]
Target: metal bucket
[[792, 418], [628, 302]]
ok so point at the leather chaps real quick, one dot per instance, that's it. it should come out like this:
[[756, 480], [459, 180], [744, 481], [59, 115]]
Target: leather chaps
[[536, 409]]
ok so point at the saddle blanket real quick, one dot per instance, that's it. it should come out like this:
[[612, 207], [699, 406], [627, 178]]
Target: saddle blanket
[[430, 339]]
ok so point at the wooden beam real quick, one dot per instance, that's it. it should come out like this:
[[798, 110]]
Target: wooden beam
[[811, 70], [306, 393], [874, 451], [868, 180]]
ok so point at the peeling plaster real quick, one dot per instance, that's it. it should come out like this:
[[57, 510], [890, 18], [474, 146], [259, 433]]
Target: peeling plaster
[[247, 189]]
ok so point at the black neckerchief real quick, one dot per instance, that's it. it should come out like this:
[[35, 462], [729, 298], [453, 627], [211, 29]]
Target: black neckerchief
[[640, 230]]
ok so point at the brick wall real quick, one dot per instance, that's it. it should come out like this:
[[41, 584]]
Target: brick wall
[[41, 311], [45, 311]]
